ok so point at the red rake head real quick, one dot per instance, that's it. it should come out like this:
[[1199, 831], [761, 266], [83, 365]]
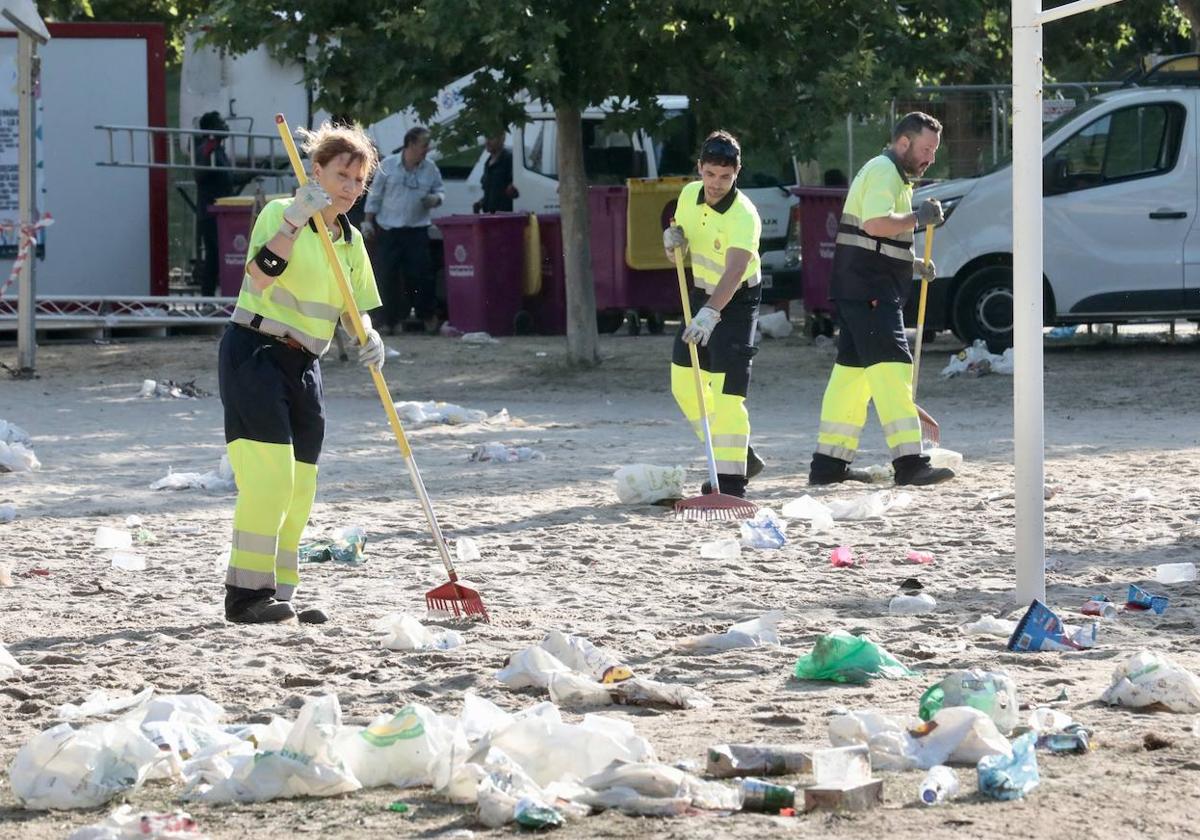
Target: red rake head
[[715, 506], [449, 596]]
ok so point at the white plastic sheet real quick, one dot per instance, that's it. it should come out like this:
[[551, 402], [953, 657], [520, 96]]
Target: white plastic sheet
[[403, 632], [17, 457], [871, 506], [103, 702], [819, 516], [958, 735], [8, 665], [219, 480], [430, 413], [990, 626], [754, 632], [775, 325]]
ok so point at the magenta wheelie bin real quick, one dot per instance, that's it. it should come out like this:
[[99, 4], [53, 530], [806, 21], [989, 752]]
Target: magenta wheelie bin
[[820, 214], [233, 240], [483, 262]]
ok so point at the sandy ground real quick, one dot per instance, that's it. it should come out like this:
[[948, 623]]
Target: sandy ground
[[560, 552]]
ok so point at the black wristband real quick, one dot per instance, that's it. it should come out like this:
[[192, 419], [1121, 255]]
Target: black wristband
[[270, 263]]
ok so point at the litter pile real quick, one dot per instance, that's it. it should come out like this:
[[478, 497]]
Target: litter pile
[[977, 360], [431, 413], [220, 480], [499, 453], [16, 449], [172, 389]]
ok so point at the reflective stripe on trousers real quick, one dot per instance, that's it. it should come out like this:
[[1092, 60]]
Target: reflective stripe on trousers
[[844, 409]]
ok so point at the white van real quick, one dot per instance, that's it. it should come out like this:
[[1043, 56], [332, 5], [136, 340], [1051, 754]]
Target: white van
[[1120, 240]]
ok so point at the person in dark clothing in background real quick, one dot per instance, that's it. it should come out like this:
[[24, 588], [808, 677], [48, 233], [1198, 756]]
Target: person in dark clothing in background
[[498, 189], [213, 181]]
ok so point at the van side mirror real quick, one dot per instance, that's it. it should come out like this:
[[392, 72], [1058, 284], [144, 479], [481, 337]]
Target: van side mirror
[[1054, 175]]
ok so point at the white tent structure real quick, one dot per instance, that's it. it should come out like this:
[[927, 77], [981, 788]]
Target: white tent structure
[[1028, 387], [21, 16]]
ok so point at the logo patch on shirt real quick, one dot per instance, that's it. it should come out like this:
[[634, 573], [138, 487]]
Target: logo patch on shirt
[[716, 244]]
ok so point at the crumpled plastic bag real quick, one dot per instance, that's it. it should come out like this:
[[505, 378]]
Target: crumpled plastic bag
[[172, 389], [220, 480], [751, 633], [1010, 776], [480, 717], [843, 658], [990, 626], [819, 516], [957, 735], [306, 765], [977, 360], [580, 654], [411, 748], [406, 633], [765, 530], [127, 824], [871, 506], [102, 702], [17, 457], [1148, 680], [12, 433], [775, 325], [9, 666], [573, 689], [648, 483], [992, 692], [64, 768], [531, 667], [499, 453], [658, 781], [430, 413]]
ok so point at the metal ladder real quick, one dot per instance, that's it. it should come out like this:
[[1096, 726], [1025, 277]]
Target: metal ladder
[[154, 147]]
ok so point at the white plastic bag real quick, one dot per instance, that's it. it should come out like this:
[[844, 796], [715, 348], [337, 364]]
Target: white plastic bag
[[499, 453], [775, 325], [481, 717], [126, 824], [648, 483], [220, 479], [871, 506], [754, 632], [64, 768], [573, 689], [403, 632], [765, 530], [9, 666], [531, 667], [17, 457], [939, 457], [912, 604], [819, 516], [411, 748], [1149, 680], [958, 735], [581, 655], [990, 626], [102, 702]]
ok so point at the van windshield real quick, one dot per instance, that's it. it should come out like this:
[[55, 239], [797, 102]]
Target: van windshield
[[1047, 129], [677, 142]]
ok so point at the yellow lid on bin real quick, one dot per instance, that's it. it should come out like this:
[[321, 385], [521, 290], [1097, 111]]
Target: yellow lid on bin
[[651, 203], [247, 200]]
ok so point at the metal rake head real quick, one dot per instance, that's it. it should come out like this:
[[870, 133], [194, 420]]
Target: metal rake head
[[458, 599], [713, 507]]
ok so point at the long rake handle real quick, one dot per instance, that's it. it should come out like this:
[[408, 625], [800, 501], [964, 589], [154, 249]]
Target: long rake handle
[[921, 312], [687, 320], [385, 396]]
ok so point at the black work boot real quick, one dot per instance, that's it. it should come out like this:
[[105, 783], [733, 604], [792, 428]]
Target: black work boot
[[914, 470], [825, 469], [754, 464], [730, 485], [255, 606]]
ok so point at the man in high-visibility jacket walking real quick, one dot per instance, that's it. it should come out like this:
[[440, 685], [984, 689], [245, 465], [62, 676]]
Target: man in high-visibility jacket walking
[[720, 228], [873, 268]]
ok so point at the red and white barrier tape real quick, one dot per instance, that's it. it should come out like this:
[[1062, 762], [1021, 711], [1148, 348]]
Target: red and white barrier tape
[[28, 238]]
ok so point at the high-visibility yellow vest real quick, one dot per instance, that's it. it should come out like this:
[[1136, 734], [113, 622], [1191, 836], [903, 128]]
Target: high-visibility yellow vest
[[304, 302], [869, 267], [712, 231]]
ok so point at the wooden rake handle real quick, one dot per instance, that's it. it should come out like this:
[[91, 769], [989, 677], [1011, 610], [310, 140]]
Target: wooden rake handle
[[921, 312]]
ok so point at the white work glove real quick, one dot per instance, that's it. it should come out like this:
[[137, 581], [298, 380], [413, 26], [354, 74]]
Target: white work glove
[[372, 353], [700, 330], [930, 213], [673, 238], [310, 200], [430, 201], [926, 270], [368, 229]]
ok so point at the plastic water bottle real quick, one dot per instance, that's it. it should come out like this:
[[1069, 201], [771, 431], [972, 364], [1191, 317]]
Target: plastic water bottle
[[1175, 573], [940, 784]]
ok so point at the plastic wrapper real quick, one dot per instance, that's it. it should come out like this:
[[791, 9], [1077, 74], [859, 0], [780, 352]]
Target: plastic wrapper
[[581, 655], [751, 633], [103, 702], [990, 626], [531, 667], [648, 483], [220, 479], [411, 748], [348, 546], [947, 458], [403, 632], [1012, 776], [871, 506], [765, 530], [841, 657], [416, 414], [992, 692], [658, 781], [1148, 680], [819, 517], [9, 666], [17, 457], [64, 768], [958, 735]]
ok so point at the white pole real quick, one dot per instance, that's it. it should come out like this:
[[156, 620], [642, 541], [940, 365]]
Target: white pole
[[27, 202], [1029, 432]]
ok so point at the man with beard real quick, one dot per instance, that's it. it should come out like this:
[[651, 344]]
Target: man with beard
[[873, 267]]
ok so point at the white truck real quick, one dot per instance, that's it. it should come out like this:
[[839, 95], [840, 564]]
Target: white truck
[[1121, 243], [249, 89]]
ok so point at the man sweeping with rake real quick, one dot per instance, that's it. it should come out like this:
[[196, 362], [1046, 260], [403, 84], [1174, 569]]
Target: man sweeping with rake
[[720, 228]]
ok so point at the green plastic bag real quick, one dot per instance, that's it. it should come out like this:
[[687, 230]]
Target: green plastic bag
[[840, 657], [347, 549]]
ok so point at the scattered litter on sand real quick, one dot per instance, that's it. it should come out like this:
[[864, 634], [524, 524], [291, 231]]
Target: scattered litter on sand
[[172, 389], [977, 360], [431, 413], [16, 449], [219, 480], [499, 453]]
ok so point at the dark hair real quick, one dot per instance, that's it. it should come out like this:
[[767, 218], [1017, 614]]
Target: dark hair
[[914, 123], [414, 134], [211, 121], [722, 148]]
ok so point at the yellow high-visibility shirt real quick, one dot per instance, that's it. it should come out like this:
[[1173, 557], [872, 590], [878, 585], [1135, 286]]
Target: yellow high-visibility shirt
[[712, 231]]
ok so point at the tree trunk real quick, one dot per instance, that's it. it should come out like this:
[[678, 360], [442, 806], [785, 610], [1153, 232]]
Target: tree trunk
[[582, 338], [1191, 10]]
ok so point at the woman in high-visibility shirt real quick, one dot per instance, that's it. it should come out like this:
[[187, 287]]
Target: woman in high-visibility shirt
[[270, 373]]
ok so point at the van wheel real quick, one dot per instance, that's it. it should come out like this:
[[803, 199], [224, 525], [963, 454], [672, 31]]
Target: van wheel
[[983, 308]]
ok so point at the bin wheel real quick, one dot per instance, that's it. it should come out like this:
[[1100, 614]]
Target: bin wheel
[[609, 320], [655, 323], [929, 336], [523, 323], [820, 324], [634, 322]]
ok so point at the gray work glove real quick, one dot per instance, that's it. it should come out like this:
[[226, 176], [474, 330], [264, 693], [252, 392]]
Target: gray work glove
[[310, 200], [926, 270], [430, 201], [930, 213], [372, 353], [673, 238], [700, 330]]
